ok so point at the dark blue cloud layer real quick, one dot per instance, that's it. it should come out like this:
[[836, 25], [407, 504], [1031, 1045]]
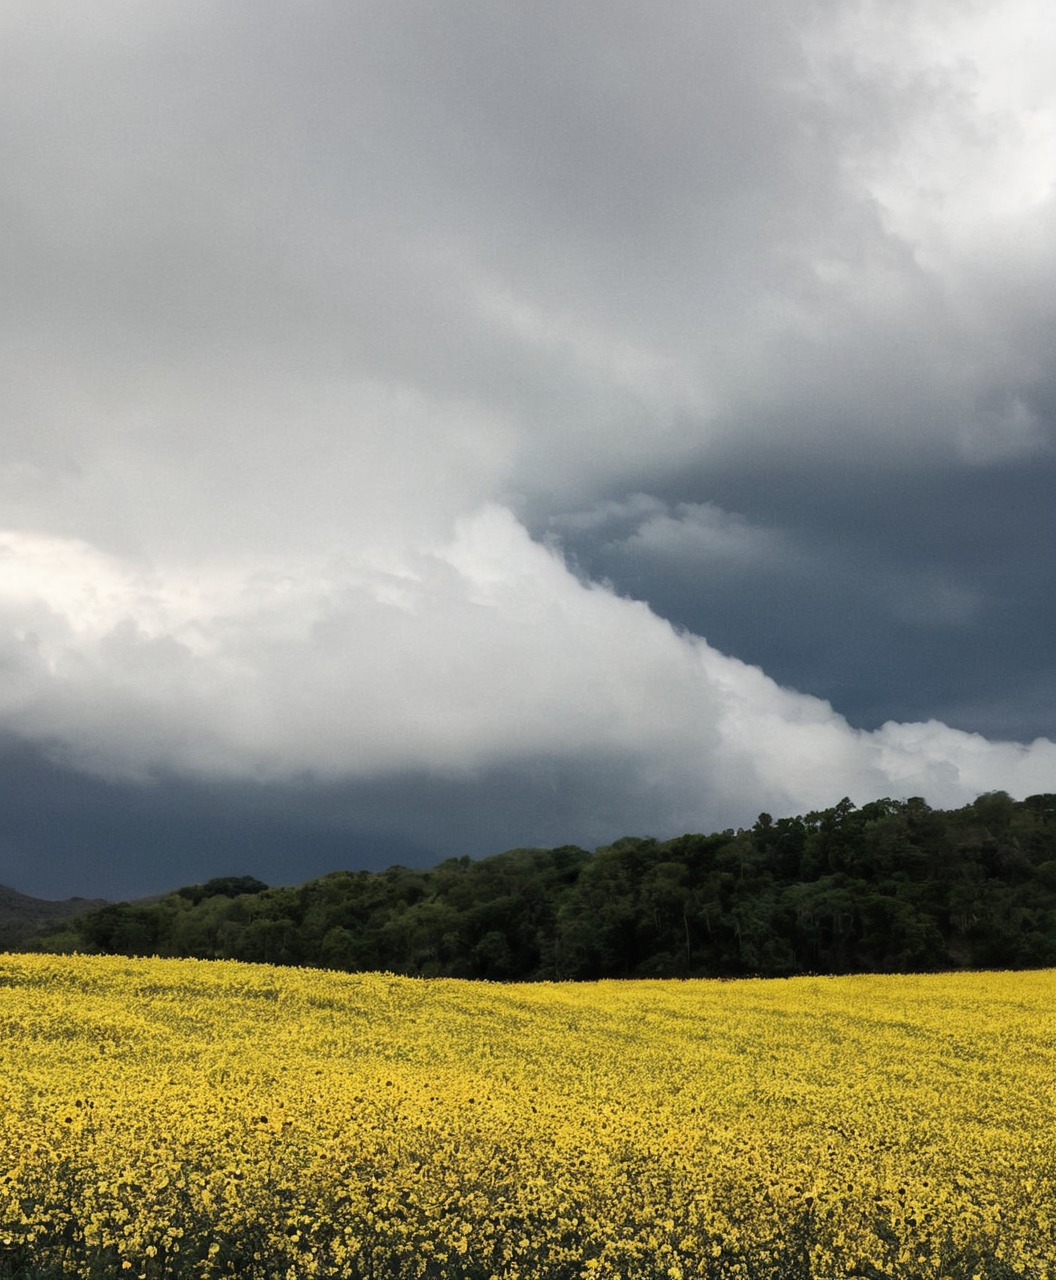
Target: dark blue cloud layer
[[902, 594]]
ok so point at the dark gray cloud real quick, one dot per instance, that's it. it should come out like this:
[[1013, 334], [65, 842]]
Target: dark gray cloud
[[469, 401], [896, 594], [63, 832]]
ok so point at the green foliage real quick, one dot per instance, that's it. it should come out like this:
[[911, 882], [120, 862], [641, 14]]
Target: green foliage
[[223, 887], [23, 917], [891, 886]]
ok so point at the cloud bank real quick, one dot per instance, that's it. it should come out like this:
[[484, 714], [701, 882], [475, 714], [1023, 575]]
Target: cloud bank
[[485, 651], [453, 391]]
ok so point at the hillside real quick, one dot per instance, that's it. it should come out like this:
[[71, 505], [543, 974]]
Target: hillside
[[23, 917], [892, 886]]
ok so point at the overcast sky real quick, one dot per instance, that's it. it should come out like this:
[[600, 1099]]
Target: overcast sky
[[436, 428]]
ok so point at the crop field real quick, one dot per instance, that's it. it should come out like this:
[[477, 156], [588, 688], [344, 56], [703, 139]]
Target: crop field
[[178, 1118]]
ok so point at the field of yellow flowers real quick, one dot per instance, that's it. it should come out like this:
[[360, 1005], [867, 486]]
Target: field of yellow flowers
[[180, 1118]]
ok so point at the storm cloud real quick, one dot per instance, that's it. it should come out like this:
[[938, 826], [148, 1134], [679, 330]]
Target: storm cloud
[[434, 426]]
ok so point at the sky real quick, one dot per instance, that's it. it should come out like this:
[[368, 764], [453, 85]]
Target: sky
[[431, 429]]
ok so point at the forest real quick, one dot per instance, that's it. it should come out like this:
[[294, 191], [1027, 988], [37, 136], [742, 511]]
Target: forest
[[891, 886]]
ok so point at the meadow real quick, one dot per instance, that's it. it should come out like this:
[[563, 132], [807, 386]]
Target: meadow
[[182, 1118]]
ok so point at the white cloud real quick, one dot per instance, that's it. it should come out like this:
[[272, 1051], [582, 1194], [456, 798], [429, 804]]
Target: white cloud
[[956, 114], [706, 534], [480, 652], [948, 766], [630, 511], [943, 121]]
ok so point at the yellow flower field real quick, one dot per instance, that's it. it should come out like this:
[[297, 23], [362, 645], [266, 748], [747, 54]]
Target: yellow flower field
[[180, 1118]]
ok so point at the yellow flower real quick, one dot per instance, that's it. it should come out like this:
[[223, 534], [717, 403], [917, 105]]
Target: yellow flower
[[322, 1124]]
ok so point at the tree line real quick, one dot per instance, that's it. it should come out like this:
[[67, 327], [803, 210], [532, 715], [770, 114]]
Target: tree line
[[891, 886]]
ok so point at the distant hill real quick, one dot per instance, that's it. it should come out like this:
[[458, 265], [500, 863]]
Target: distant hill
[[23, 917], [893, 886]]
